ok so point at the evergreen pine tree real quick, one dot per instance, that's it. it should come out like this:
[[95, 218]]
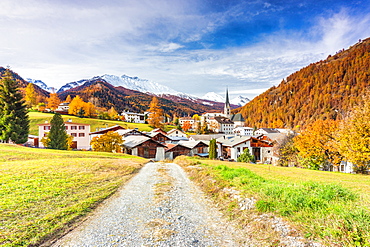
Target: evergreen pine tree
[[14, 122], [212, 149], [58, 136], [246, 156]]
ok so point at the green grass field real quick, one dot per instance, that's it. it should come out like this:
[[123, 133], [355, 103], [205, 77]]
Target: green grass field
[[39, 118], [331, 207], [45, 191]]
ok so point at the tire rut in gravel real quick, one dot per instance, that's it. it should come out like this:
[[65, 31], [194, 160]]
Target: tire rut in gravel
[[160, 206]]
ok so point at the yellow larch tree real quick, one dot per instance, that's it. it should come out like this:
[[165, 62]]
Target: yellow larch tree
[[354, 136], [155, 114], [31, 95], [53, 101], [108, 142], [316, 144]]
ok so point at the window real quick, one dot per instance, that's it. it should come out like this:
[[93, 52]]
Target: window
[[74, 134], [81, 127], [46, 127], [66, 127], [81, 134], [73, 127]]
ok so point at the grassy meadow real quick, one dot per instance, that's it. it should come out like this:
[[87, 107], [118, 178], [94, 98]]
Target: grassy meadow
[[44, 191], [333, 208], [39, 118]]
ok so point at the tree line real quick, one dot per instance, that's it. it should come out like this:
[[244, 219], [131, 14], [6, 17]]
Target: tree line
[[325, 143]]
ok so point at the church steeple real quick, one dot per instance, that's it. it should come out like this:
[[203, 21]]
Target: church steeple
[[227, 109]]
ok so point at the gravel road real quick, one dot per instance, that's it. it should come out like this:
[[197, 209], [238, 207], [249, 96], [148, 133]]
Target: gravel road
[[160, 206]]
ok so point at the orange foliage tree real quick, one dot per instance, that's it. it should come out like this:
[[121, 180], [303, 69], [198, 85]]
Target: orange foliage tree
[[317, 145], [156, 114], [53, 101]]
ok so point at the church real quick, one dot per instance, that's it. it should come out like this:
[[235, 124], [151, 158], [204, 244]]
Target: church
[[224, 122]]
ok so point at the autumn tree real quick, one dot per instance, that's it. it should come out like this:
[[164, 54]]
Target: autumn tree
[[186, 126], [68, 99], [75, 106], [108, 142], [30, 95], [156, 114], [354, 136], [53, 101], [14, 121], [317, 146], [112, 113], [287, 152]]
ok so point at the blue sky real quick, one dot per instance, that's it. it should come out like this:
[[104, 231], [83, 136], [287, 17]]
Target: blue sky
[[191, 46]]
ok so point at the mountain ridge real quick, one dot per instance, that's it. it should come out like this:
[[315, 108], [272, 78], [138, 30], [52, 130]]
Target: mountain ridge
[[327, 89]]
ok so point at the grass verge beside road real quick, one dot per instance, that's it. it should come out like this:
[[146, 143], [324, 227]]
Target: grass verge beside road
[[330, 207], [44, 191]]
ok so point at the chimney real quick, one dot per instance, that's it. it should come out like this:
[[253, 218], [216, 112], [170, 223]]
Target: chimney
[[46, 121], [69, 120]]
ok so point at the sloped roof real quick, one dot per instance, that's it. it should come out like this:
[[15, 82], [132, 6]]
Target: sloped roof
[[171, 146], [134, 141], [206, 137], [223, 120], [237, 118], [270, 130], [233, 140], [103, 131]]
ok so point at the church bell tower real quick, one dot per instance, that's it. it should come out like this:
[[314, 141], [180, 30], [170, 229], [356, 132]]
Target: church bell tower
[[227, 110]]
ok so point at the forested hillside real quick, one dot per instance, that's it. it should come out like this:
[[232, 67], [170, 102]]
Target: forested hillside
[[103, 94], [23, 84], [323, 90]]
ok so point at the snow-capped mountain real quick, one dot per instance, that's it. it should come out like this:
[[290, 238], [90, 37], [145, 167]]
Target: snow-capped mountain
[[72, 85], [133, 83], [41, 84], [212, 96], [240, 100], [137, 84]]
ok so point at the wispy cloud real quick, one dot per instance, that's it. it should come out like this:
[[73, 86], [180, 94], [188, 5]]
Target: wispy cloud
[[164, 41]]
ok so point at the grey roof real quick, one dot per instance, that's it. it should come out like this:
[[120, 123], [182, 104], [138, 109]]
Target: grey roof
[[237, 118], [133, 141], [205, 137], [178, 138], [232, 141], [189, 144], [223, 120], [270, 130]]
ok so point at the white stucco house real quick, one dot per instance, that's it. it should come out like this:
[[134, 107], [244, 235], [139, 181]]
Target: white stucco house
[[80, 133]]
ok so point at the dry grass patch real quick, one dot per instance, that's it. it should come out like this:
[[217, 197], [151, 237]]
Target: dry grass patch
[[44, 191]]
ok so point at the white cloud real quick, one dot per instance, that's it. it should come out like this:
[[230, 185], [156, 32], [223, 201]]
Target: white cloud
[[61, 41]]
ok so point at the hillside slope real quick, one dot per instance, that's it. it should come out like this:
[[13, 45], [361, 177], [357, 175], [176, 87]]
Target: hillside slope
[[22, 83], [103, 94], [326, 89]]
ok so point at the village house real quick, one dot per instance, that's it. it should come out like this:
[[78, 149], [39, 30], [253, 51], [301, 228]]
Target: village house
[[144, 147], [159, 137], [243, 131], [221, 125], [63, 108], [238, 120], [133, 117], [187, 120], [176, 133], [197, 148], [174, 150], [231, 147], [79, 132], [100, 131]]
